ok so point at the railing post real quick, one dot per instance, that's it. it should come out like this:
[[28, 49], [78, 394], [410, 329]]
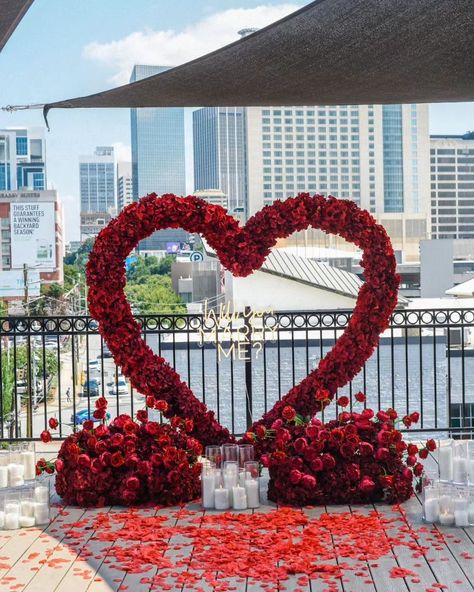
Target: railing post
[[248, 367]]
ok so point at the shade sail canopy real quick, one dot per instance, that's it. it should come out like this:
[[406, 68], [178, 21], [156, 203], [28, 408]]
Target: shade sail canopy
[[330, 52], [11, 13]]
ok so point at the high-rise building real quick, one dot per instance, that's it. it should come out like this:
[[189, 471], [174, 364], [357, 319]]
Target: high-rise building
[[219, 142], [97, 180], [158, 155], [452, 186], [124, 185], [376, 155], [22, 159]]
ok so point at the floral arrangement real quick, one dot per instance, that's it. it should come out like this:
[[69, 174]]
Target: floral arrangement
[[127, 462], [359, 457], [241, 250]]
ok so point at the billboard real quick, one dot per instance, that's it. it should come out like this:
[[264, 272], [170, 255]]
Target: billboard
[[12, 284], [33, 235]]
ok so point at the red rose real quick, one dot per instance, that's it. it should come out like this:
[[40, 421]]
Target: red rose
[[264, 459], [142, 415], [116, 459], [415, 417], [412, 449], [431, 445], [129, 496], [53, 423], [132, 483], [300, 445], [152, 428], [344, 417], [383, 416], [308, 481], [407, 421], [150, 401], [288, 413], [407, 474], [99, 413], [188, 425], [116, 440], [366, 449], [101, 403], [367, 414], [45, 436], [59, 465], [323, 395], [328, 461], [382, 454], [411, 461], [386, 481], [101, 430], [423, 453], [162, 406], [295, 476], [343, 401], [360, 397], [84, 461], [418, 469], [88, 425], [260, 431], [366, 485], [277, 424], [317, 465]]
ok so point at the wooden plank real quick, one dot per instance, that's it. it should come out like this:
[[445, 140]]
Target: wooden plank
[[446, 569], [61, 549]]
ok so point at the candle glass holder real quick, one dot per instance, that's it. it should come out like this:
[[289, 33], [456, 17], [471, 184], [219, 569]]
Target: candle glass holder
[[461, 506], [230, 452], [460, 462], [42, 504], [214, 454], [28, 459], [208, 485], [446, 504], [246, 453], [470, 508], [252, 484], [12, 510], [4, 462], [431, 495], [4, 457], [470, 462], [445, 460], [15, 454]]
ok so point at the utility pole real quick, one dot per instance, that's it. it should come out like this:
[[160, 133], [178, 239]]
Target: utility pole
[[26, 303]]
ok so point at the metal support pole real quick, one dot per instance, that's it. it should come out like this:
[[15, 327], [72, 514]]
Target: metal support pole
[[29, 411], [248, 367]]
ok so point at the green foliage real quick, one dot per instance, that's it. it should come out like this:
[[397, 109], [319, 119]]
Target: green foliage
[[145, 267], [81, 256], [154, 295], [45, 367], [3, 308]]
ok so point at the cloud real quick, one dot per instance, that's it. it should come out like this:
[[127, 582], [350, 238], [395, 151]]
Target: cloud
[[171, 48]]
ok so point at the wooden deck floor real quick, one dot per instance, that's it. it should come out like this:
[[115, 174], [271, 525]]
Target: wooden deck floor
[[65, 559]]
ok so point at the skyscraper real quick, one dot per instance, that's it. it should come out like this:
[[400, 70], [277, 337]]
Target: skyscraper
[[97, 180], [124, 185], [97, 189], [158, 155], [376, 155], [220, 153], [452, 186], [22, 159]]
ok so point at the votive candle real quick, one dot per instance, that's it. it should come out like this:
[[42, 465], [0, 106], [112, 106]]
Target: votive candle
[[221, 499]]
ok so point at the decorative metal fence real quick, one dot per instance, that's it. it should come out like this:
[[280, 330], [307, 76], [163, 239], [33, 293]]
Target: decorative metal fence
[[238, 364]]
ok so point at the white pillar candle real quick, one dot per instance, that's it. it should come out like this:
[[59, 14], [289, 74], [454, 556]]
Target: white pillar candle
[[12, 507], [218, 478], [239, 498], [431, 509], [221, 499], [15, 474], [27, 508], [42, 494], [459, 470], [12, 521], [26, 521], [208, 486], [41, 513], [446, 519], [445, 460], [461, 517], [230, 481], [3, 476], [29, 464], [252, 491], [2, 519]]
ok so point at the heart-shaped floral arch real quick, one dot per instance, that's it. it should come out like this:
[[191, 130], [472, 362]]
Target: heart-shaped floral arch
[[241, 250]]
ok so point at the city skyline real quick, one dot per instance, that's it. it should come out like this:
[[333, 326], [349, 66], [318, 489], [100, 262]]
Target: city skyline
[[101, 45]]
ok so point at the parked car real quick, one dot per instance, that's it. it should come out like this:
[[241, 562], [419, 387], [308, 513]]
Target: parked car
[[120, 387], [94, 367], [105, 353], [91, 387], [84, 414]]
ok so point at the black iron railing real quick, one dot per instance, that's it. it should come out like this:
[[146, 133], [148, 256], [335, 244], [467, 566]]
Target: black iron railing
[[239, 365]]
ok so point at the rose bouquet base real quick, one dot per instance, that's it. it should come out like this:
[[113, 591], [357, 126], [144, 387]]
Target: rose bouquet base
[[357, 458], [128, 463]]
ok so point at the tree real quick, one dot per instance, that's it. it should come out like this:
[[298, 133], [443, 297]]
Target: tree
[[145, 267], [154, 295]]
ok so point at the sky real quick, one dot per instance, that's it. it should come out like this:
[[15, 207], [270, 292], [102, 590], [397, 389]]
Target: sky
[[66, 48]]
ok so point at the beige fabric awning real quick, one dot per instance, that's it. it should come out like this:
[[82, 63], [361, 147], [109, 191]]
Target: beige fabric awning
[[328, 53], [11, 13]]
